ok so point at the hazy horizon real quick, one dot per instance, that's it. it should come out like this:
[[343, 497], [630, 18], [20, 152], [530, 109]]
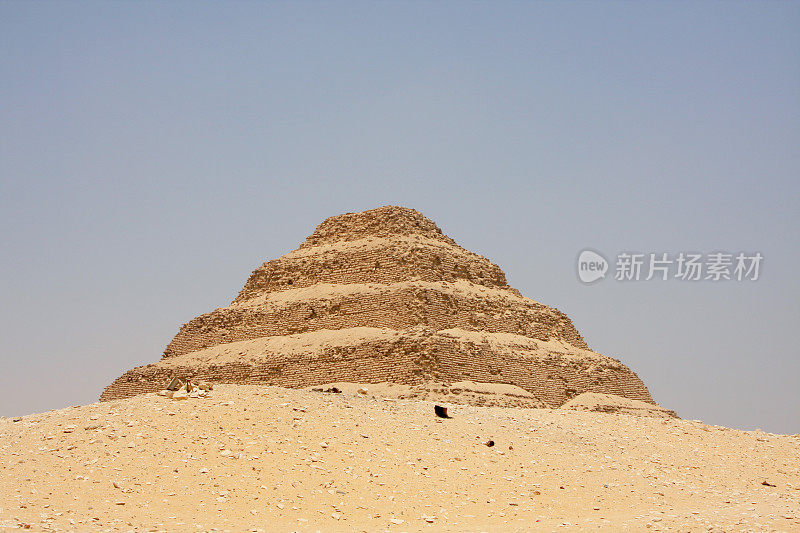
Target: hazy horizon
[[153, 155]]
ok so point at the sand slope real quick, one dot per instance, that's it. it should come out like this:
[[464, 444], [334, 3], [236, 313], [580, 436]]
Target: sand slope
[[610, 403], [273, 459]]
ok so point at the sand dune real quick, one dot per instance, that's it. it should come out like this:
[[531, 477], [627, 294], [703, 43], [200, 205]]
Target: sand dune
[[263, 458]]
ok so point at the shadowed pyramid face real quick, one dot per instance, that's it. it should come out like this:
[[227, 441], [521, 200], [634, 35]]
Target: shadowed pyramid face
[[385, 296]]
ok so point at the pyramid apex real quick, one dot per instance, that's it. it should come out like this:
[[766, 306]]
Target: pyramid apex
[[386, 221]]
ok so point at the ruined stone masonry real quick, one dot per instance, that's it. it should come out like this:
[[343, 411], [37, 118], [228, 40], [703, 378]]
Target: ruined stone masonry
[[384, 296]]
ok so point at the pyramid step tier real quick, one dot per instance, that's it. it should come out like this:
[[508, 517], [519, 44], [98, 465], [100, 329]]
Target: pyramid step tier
[[401, 305], [372, 260], [553, 371]]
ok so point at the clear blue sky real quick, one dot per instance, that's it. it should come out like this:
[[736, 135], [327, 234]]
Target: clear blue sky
[[153, 154]]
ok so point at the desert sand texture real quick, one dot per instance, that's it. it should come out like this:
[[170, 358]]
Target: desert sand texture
[[265, 458]]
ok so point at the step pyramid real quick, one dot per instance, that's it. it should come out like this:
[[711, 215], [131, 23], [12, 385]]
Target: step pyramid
[[383, 296]]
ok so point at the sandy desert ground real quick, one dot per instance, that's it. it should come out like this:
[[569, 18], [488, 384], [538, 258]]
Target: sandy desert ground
[[259, 458]]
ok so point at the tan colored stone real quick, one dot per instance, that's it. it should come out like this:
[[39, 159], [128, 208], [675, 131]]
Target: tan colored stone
[[384, 296], [180, 395]]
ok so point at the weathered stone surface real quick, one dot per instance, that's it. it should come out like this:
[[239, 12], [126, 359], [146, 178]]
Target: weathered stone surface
[[180, 395], [385, 296]]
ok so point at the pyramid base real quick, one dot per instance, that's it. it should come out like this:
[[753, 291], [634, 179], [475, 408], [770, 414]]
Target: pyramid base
[[551, 371], [608, 403]]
